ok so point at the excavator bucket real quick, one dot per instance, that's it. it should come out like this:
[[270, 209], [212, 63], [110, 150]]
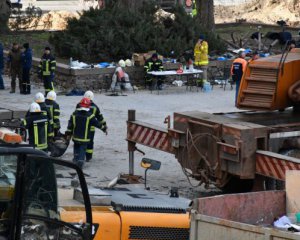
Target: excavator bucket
[[59, 146]]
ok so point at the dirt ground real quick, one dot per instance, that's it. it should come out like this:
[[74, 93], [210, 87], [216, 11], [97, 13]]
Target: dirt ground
[[263, 11], [111, 156]]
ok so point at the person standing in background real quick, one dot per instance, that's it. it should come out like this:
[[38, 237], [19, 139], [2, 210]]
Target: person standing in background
[[201, 58], [47, 69], [1, 66], [15, 67], [238, 69], [26, 67]]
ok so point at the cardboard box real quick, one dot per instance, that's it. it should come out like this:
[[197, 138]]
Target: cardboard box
[[138, 59], [150, 53]]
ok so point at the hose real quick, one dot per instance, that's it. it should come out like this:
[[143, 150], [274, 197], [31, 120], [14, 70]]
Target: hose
[[192, 143]]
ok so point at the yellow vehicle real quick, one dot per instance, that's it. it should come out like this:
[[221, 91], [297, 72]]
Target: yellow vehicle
[[36, 202]]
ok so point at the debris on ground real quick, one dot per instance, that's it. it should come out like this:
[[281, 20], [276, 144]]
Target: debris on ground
[[259, 11], [53, 20]]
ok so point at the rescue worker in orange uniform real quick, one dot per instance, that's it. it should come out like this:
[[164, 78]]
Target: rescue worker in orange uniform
[[201, 57], [238, 68]]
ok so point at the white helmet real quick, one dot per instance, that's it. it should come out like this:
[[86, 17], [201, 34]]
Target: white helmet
[[34, 107], [89, 95], [121, 63], [128, 63], [39, 97], [51, 95]]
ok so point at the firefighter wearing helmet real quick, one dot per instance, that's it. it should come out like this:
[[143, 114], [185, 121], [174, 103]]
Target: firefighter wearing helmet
[[54, 110], [94, 109], [40, 100], [37, 124], [79, 127]]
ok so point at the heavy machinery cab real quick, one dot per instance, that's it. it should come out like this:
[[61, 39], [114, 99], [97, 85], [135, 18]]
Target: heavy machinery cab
[[30, 200]]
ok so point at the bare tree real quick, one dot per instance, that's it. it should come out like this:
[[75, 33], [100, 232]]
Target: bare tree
[[205, 14]]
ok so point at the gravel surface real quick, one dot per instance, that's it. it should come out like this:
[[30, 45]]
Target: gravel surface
[[111, 156]]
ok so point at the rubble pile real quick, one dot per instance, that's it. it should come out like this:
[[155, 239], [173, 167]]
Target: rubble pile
[[264, 11], [53, 20]]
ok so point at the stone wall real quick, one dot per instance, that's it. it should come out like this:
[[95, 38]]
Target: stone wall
[[91, 78], [97, 79]]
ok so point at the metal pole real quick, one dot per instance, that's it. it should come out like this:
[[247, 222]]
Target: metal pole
[[131, 145], [131, 162], [259, 38]]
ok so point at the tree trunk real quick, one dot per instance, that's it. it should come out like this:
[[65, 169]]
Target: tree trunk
[[205, 14], [4, 15]]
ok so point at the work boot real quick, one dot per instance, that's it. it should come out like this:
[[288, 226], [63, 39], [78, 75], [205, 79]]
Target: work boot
[[28, 89], [12, 91], [23, 88], [88, 159], [80, 164]]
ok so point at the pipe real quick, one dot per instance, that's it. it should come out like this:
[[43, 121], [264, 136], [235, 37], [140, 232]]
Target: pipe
[[131, 145]]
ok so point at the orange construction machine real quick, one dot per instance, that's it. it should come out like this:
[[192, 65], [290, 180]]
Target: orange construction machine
[[271, 83], [239, 150]]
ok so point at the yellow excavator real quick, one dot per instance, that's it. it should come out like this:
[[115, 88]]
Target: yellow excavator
[[45, 198]]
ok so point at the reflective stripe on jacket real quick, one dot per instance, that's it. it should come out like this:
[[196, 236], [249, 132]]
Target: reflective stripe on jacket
[[95, 110], [201, 53], [47, 65], [150, 65], [80, 124], [37, 125], [54, 110]]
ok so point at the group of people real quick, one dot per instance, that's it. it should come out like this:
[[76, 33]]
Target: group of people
[[19, 64], [43, 124], [201, 62]]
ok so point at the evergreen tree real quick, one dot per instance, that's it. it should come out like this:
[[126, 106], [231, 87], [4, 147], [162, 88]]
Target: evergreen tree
[[113, 33]]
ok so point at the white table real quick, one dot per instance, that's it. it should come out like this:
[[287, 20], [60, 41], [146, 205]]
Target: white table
[[186, 73]]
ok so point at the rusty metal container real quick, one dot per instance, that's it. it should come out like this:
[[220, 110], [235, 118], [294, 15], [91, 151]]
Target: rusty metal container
[[246, 216]]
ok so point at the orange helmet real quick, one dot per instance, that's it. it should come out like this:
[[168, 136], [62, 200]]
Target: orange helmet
[[85, 103]]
